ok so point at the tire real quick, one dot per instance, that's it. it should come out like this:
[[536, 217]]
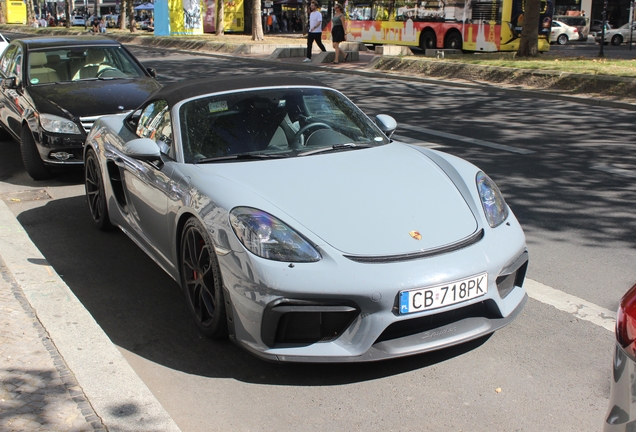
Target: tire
[[95, 196], [31, 157], [562, 39], [428, 40], [4, 135], [617, 40], [453, 41], [201, 280]]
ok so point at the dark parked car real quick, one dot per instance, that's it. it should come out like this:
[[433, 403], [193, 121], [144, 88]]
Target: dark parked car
[[621, 414], [54, 88]]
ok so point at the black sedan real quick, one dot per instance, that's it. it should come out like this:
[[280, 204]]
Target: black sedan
[[54, 88]]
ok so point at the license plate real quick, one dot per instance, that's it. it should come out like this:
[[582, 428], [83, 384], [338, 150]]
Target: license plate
[[422, 299]]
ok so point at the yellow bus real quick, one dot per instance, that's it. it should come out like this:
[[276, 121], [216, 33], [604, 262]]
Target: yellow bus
[[15, 12]]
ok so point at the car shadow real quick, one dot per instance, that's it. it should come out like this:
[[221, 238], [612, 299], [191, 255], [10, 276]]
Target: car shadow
[[143, 310]]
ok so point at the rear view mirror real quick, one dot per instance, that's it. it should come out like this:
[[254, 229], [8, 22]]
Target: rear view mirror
[[152, 72], [10, 83], [143, 149]]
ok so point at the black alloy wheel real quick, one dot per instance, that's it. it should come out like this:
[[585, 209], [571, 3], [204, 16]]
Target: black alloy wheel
[[31, 156], [95, 196], [201, 280]]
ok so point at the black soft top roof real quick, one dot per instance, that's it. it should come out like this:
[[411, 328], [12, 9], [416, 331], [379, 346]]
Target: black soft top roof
[[176, 92]]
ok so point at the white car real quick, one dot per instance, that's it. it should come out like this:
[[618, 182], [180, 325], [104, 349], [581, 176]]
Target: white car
[[78, 20], [4, 43], [561, 33], [618, 36]]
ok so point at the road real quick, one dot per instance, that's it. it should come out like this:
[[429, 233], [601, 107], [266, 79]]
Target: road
[[567, 170]]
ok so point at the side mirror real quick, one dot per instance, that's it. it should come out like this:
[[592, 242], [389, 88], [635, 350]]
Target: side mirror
[[152, 72], [143, 149], [10, 83], [386, 123]]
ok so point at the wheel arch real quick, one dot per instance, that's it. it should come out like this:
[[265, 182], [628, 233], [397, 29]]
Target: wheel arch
[[451, 33], [425, 31]]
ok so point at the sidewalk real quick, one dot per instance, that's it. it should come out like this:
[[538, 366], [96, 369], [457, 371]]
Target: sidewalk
[[58, 369]]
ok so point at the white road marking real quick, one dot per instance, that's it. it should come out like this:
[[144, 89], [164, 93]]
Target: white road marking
[[615, 170], [409, 140], [578, 307], [466, 139]]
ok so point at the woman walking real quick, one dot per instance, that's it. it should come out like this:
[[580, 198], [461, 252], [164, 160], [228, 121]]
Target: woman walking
[[338, 31]]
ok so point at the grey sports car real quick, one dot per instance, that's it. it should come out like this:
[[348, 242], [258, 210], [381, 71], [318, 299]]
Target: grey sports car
[[295, 225]]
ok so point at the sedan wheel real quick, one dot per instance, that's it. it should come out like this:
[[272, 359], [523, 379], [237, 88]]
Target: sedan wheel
[[562, 39], [201, 280], [617, 40], [31, 156], [94, 186]]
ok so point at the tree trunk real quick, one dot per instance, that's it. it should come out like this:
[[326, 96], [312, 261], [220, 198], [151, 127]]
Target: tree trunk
[[122, 14], [67, 11], [220, 12], [304, 15], [3, 19], [30, 12], [257, 21], [528, 45], [131, 16]]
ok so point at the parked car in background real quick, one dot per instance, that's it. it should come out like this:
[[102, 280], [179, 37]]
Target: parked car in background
[[621, 412], [78, 20], [111, 20], [597, 26], [55, 87], [619, 35], [581, 23], [561, 33], [419, 253], [4, 43]]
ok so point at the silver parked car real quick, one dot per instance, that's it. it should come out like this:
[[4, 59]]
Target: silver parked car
[[618, 35], [294, 223]]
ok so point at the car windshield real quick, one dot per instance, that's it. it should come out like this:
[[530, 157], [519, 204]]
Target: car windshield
[[290, 121], [58, 65]]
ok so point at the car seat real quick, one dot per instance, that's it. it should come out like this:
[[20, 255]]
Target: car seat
[[38, 72]]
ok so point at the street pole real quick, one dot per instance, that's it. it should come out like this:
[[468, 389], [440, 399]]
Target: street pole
[[601, 54], [631, 23]]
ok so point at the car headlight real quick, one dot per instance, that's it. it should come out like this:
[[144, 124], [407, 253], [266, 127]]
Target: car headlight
[[269, 238], [55, 124], [492, 200]]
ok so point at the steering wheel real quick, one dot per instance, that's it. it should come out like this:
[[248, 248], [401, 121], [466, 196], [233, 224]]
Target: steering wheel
[[118, 73], [304, 129]]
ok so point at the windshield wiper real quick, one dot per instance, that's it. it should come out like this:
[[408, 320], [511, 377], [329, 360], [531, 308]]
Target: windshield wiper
[[244, 156], [336, 147]]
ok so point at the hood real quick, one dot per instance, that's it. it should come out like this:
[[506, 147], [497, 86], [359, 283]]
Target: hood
[[361, 202], [91, 98]]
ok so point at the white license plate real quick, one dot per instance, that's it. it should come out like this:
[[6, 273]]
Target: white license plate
[[434, 297]]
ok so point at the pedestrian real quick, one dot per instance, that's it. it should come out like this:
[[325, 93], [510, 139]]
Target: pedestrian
[[338, 31], [270, 23], [102, 26], [315, 30]]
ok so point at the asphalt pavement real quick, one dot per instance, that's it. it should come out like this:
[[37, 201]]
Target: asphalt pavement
[[58, 369]]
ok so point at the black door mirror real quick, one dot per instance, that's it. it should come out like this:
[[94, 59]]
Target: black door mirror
[[152, 72]]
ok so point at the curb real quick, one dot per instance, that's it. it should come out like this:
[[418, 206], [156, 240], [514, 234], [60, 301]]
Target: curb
[[116, 393]]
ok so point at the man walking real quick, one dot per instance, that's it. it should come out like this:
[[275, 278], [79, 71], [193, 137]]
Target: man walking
[[315, 30]]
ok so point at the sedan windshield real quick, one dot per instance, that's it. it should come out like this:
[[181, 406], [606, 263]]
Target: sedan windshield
[[67, 64], [293, 121]]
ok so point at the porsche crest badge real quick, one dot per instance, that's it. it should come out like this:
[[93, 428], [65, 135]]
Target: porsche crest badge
[[416, 235]]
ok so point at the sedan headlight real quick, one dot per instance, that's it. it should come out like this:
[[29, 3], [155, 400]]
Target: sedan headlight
[[492, 200], [269, 238], [55, 124]]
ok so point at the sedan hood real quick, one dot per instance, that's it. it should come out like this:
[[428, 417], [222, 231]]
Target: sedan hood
[[361, 202], [91, 98]]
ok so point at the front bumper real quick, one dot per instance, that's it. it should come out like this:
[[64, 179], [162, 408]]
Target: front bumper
[[60, 149], [338, 310]]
